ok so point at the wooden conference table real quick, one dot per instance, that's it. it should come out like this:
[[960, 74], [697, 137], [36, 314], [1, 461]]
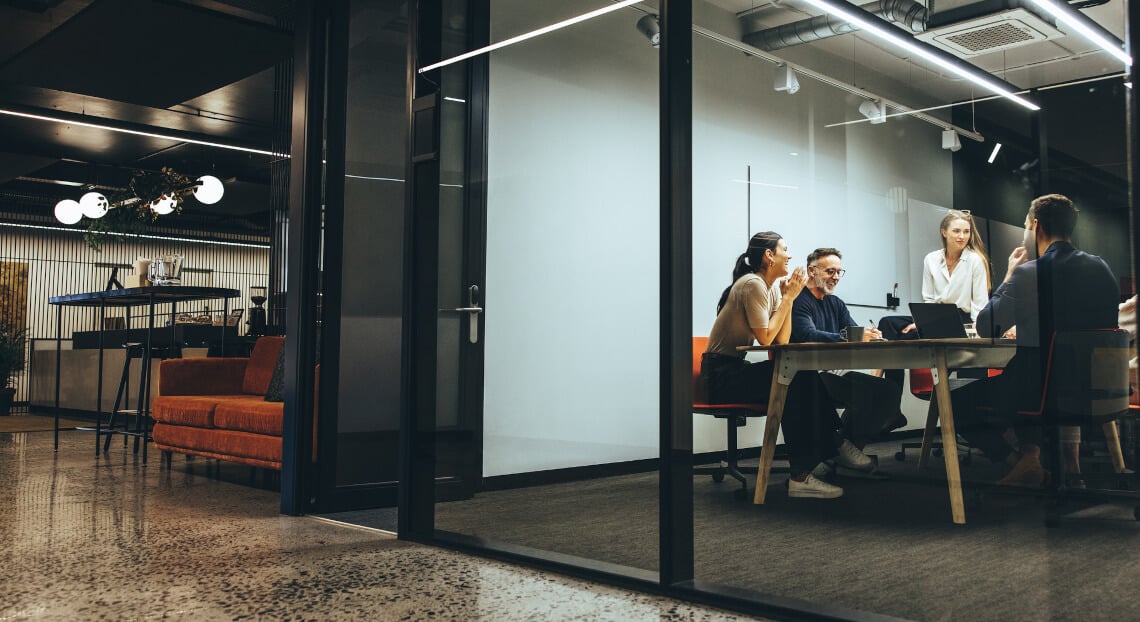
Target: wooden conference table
[[939, 355]]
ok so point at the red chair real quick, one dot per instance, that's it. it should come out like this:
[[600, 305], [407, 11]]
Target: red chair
[[735, 416], [1086, 381]]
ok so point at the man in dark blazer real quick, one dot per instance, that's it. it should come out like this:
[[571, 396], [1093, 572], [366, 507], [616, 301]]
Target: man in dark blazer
[[1049, 286]]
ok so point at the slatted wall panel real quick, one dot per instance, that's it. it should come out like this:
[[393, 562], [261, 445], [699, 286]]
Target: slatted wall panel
[[60, 262]]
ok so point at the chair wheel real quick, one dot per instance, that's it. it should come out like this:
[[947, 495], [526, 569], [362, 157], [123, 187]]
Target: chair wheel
[[937, 451], [740, 494], [900, 456], [718, 477]]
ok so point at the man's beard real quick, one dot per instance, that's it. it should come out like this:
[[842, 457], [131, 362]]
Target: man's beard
[[1029, 241], [825, 286]]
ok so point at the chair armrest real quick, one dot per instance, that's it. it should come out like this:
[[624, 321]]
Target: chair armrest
[[208, 376]]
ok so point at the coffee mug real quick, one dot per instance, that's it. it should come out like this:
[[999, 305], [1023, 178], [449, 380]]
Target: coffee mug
[[852, 333]]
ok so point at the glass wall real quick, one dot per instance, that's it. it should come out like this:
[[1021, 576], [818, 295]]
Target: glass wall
[[883, 171], [838, 139], [559, 404]]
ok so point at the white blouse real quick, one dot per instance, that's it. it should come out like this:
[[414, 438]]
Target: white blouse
[[965, 288]]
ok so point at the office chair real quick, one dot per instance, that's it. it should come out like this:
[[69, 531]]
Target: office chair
[[735, 416], [1086, 381]]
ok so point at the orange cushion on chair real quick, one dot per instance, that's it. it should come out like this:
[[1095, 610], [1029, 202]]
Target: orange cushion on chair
[[262, 361]]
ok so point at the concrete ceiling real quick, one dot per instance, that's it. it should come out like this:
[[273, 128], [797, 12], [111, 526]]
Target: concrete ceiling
[[193, 68]]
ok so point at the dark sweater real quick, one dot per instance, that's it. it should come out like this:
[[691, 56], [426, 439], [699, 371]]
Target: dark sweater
[[819, 320]]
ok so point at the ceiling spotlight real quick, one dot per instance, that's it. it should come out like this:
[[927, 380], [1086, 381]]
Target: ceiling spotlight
[[950, 140], [93, 205], [68, 212], [163, 205], [786, 81], [649, 27], [993, 154], [209, 189], [876, 110]]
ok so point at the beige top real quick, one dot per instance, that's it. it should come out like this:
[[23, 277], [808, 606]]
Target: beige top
[[749, 305]]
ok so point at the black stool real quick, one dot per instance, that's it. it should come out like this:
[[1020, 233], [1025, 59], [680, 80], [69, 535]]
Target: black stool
[[133, 351]]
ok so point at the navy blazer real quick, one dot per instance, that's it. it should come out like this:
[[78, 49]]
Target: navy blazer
[[1064, 289]]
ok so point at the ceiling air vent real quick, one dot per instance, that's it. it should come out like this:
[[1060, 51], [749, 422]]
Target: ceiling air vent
[[991, 33]]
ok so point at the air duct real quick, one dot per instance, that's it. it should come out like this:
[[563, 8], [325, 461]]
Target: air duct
[[906, 13]]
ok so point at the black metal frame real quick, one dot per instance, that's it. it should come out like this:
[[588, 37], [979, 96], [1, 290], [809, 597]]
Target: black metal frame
[[305, 200]]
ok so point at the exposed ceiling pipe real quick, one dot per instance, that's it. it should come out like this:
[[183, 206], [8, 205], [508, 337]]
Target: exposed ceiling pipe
[[906, 13]]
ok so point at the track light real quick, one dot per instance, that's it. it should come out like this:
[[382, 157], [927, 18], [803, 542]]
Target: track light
[[651, 28], [876, 111], [786, 81], [950, 140]]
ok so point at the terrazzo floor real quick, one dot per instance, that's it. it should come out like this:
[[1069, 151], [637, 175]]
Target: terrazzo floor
[[85, 538]]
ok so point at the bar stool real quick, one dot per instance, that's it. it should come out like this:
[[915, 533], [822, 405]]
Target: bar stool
[[133, 350]]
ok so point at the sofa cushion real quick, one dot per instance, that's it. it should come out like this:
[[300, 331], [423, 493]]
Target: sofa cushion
[[191, 410], [259, 370], [250, 414], [222, 444]]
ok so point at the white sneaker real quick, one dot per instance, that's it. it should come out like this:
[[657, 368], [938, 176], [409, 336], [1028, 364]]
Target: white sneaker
[[850, 457], [812, 488]]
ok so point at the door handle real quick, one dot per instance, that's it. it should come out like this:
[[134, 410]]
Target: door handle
[[473, 310]]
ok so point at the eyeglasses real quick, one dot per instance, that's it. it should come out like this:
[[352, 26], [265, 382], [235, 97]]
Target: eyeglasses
[[962, 212], [831, 271]]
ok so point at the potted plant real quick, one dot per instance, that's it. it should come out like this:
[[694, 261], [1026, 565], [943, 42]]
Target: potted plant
[[11, 362]]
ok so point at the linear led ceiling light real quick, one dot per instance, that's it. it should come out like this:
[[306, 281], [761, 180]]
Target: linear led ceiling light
[[894, 36], [111, 128], [532, 34], [993, 154], [1079, 22]]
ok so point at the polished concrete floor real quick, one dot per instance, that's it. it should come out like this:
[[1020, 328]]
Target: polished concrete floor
[[86, 538]]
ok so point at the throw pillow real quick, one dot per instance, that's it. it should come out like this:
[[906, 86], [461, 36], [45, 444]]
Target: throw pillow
[[276, 391]]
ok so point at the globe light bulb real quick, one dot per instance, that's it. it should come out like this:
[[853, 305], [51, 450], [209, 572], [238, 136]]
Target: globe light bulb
[[163, 205], [209, 189], [93, 204], [68, 212]]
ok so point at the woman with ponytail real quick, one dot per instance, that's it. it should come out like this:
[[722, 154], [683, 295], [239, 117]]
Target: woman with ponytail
[[757, 307]]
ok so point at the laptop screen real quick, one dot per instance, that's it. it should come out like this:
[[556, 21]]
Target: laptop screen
[[937, 320]]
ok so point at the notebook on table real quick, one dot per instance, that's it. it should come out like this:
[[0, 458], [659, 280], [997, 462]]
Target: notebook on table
[[937, 320]]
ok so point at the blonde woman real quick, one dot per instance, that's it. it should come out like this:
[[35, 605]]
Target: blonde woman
[[959, 272]]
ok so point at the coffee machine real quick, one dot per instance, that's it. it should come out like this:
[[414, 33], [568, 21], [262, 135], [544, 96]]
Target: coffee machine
[[256, 320]]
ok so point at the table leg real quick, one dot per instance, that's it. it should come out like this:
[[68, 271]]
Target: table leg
[[99, 375], [949, 439], [58, 348], [776, 401]]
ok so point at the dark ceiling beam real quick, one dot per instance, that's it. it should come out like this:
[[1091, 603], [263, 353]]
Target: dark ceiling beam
[[40, 115]]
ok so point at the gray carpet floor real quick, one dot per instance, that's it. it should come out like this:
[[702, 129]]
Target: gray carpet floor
[[888, 546]]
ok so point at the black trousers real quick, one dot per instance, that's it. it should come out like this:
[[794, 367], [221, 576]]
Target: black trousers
[[870, 403], [985, 428], [809, 421]]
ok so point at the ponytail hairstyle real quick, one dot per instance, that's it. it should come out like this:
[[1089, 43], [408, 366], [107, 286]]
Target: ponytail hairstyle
[[751, 260], [975, 242]]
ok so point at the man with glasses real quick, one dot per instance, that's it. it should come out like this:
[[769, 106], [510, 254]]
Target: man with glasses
[[871, 403]]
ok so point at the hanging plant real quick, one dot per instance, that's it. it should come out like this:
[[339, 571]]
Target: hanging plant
[[148, 194]]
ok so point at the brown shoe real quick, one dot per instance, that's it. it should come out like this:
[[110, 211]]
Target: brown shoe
[[1027, 472]]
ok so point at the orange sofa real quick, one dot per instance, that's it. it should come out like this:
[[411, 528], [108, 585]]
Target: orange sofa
[[215, 407]]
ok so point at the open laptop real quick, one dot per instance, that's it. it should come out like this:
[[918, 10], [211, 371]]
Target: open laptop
[[937, 320]]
